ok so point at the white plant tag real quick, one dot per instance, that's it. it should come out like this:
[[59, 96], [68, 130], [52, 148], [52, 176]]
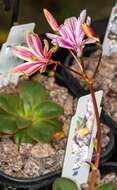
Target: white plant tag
[[110, 40], [17, 36], [80, 146]]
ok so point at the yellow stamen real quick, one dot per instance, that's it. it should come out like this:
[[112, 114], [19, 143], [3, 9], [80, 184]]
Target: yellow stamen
[[34, 58]]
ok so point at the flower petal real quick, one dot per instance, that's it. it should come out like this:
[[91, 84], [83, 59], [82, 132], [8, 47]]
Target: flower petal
[[88, 30], [51, 20], [52, 36], [83, 16], [46, 47], [70, 26], [88, 21], [23, 53], [23, 67], [31, 70], [71, 23], [90, 40], [65, 43], [51, 51], [36, 44]]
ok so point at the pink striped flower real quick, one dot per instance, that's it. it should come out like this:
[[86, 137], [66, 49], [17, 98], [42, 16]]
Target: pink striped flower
[[71, 35], [36, 57]]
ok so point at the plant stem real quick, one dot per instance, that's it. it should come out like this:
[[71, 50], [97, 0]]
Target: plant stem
[[99, 140], [89, 83], [97, 67], [72, 70], [76, 59]]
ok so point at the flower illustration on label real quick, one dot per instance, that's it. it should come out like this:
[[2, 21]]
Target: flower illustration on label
[[82, 138]]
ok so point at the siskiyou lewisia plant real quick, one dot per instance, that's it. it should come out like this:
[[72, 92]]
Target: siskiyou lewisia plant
[[29, 116]]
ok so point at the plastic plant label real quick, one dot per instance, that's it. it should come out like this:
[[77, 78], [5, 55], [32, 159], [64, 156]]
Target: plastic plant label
[[110, 40], [80, 143], [17, 36]]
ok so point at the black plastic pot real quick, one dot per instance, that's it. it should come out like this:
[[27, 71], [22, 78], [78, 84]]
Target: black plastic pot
[[108, 167], [64, 78], [44, 182]]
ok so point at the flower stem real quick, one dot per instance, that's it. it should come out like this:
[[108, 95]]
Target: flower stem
[[99, 140], [98, 64], [77, 60], [70, 69]]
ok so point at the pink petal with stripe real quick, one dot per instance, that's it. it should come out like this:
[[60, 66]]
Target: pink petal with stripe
[[90, 40], [31, 70], [63, 32], [71, 23], [23, 53], [23, 67], [65, 43], [37, 44], [52, 36], [46, 47], [51, 20], [83, 16], [88, 21]]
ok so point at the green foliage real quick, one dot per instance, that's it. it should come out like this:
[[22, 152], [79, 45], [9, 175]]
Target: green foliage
[[67, 184], [64, 184], [30, 115], [108, 186]]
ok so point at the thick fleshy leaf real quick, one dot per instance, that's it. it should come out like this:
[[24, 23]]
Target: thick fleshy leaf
[[7, 124], [11, 104], [22, 137], [108, 186], [32, 93], [43, 131], [23, 122], [48, 110], [64, 184]]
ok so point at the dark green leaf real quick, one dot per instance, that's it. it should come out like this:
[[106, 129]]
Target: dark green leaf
[[7, 124], [11, 104], [23, 122], [43, 130], [32, 93], [48, 110], [64, 184], [22, 137], [108, 186]]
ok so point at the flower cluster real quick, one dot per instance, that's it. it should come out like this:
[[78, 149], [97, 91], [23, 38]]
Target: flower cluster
[[74, 34], [36, 57]]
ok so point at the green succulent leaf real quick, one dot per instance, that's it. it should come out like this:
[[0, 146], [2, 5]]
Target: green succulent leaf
[[44, 130], [108, 186], [30, 115], [7, 124], [32, 93], [64, 184], [23, 122], [11, 104], [48, 110], [22, 137]]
